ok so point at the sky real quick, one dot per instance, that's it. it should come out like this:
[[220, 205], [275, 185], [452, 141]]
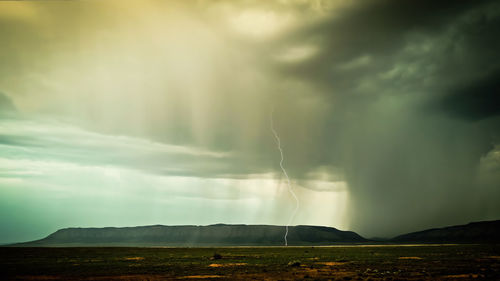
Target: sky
[[125, 113]]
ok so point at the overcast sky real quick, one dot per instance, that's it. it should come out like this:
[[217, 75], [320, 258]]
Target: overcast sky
[[123, 113]]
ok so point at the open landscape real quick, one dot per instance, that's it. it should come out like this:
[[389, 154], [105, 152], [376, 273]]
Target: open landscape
[[249, 140], [316, 253], [363, 262]]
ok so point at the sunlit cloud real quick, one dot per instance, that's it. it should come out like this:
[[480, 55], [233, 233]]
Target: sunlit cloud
[[260, 23]]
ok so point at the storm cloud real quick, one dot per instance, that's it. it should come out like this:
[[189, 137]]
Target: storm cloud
[[390, 107]]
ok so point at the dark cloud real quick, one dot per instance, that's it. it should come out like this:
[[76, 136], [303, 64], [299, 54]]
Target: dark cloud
[[382, 65], [21, 141], [377, 28], [475, 102]]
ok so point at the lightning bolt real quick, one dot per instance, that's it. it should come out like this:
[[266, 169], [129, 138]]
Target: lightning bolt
[[290, 190]]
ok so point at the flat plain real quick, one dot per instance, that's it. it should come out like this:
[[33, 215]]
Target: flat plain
[[362, 262]]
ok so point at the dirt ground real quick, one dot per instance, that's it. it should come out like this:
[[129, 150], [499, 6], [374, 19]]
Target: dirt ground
[[379, 262]]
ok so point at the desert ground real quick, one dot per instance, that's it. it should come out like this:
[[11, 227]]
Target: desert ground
[[363, 262]]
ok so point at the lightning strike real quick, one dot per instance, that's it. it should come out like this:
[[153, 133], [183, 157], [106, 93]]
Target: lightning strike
[[290, 190]]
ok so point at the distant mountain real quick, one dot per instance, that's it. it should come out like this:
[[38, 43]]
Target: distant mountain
[[190, 235], [254, 235], [474, 232]]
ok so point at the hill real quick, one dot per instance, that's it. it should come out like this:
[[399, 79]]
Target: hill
[[474, 232], [190, 235]]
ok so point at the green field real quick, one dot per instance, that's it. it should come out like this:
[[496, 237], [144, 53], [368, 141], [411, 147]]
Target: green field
[[423, 262]]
